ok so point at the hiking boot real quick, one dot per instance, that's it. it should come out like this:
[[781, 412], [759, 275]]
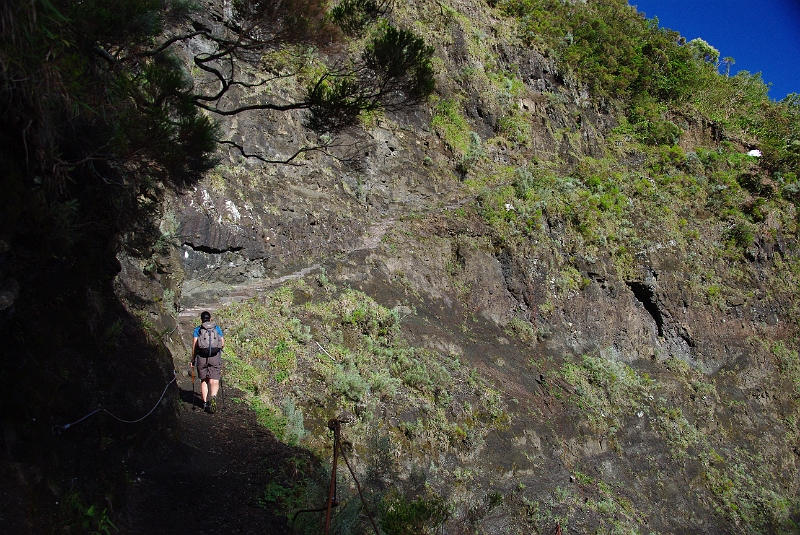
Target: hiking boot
[[206, 406], [212, 405]]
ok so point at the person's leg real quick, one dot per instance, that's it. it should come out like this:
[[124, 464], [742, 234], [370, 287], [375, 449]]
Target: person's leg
[[213, 385], [203, 372], [214, 371], [204, 389]]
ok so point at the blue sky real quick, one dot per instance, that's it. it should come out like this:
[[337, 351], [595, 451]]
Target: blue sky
[[761, 36]]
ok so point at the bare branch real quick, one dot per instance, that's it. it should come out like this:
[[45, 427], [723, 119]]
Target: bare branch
[[103, 53], [323, 148], [265, 106], [287, 161]]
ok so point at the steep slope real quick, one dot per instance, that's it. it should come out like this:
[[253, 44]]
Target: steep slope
[[629, 302]]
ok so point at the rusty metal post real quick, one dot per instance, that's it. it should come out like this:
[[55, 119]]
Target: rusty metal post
[[336, 427]]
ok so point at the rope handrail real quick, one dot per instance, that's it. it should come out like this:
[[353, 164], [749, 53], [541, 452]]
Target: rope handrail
[[58, 429]]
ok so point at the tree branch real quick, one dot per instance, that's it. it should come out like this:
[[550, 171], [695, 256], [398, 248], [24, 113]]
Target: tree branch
[[287, 161], [265, 106], [171, 41], [103, 53], [290, 161]]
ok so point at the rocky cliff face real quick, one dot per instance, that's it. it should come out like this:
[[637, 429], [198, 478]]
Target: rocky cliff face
[[646, 390]]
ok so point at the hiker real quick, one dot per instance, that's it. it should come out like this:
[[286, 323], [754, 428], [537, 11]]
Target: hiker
[[207, 344]]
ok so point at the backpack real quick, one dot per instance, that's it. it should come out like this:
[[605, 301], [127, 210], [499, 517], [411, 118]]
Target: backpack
[[208, 340]]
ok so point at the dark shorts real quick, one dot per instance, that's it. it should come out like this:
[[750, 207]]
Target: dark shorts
[[209, 368]]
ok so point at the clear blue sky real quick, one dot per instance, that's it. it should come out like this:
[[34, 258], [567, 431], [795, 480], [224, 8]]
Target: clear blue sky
[[761, 36]]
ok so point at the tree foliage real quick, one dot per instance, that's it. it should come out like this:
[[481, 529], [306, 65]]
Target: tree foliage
[[355, 16], [90, 119], [652, 73], [101, 110], [393, 71], [704, 51], [609, 46]]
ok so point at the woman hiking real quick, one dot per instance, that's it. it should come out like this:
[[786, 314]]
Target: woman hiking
[[207, 344]]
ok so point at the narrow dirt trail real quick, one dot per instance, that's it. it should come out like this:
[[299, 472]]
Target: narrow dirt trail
[[370, 240], [208, 481]]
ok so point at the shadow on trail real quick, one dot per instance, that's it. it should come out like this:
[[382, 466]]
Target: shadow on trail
[[212, 478], [189, 396]]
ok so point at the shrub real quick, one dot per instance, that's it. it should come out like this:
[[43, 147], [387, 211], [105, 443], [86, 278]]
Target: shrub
[[452, 125], [740, 235], [516, 128], [606, 390], [347, 382], [294, 430], [473, 154], [420, 516], [649, 123], [354, 16]]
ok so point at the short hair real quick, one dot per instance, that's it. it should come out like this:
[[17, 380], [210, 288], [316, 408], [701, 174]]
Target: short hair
[[205, 316]]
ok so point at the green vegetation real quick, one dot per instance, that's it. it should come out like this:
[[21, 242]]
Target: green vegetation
[[355, 359], [616, 511], [289, 484], [76, 516], [739, 482], [423, 514], [592, 200], [654, 73], [682, 200], [355, 16], [359, 360], [789, 366], [453, 125], [741, 495], [608, 45], [607, 392], [393, 72], [679, 434]]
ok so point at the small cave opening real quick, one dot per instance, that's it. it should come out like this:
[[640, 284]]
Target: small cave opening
[[644, 294]]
